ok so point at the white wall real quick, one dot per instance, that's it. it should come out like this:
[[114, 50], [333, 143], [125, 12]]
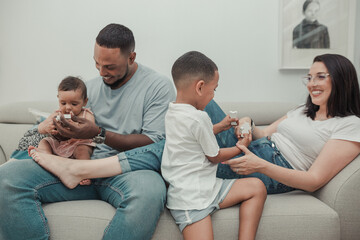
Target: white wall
[[42, 41]]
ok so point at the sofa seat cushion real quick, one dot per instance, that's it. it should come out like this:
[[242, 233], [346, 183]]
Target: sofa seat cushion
[[298, 215], [294, 215], [67, 218]]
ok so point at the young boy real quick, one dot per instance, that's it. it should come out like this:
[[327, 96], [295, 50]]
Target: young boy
[[191, 156]]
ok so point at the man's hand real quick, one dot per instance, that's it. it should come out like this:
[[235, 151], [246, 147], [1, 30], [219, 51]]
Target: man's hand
[[79, 128]]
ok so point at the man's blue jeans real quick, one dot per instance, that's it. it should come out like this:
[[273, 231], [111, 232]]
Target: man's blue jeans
[[263, 148], [138, 196]]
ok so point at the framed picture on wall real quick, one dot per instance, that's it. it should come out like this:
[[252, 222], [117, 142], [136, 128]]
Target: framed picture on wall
[[308, 28]]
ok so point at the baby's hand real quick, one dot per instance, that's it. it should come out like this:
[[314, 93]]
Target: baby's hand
[[47, 126]]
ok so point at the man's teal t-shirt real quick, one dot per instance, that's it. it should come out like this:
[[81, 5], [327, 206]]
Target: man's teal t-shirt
[[137, 107]]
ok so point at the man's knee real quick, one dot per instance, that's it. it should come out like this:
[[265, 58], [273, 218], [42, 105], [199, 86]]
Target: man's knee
[[10, 180], [151, 187], [21, 176]]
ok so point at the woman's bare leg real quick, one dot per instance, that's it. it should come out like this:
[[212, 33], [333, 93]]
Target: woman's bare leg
[[72, 171], [201, 230], [252, 193], [83, 152]]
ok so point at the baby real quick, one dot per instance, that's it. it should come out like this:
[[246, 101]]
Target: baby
[[72, 95]]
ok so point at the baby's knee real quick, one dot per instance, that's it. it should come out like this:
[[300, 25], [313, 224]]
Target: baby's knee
[[82, 152]]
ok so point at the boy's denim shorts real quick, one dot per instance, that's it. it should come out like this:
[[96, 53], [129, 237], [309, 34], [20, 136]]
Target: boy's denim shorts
[[187, 217]]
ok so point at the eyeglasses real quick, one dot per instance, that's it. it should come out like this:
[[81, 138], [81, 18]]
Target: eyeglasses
[[318, 78]]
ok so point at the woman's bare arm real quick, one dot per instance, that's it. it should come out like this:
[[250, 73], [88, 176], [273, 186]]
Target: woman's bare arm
[[335, 155], [259, 132]]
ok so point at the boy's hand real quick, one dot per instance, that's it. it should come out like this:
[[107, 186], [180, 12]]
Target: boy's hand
[[244, 141], [225, 124]]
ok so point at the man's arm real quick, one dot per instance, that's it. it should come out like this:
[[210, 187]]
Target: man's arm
[[82, 128], [123, 142], [153, 128]]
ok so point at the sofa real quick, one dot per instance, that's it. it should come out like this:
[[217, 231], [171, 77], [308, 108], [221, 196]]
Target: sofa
[[332, 212]]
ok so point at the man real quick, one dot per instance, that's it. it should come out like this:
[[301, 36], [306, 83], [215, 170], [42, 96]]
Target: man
[[129, 102]]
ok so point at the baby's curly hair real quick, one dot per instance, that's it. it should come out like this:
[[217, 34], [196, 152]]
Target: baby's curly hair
[[71, 83]]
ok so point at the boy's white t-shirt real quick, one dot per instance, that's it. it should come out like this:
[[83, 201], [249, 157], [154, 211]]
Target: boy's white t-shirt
[[191, 176], [301, 139]]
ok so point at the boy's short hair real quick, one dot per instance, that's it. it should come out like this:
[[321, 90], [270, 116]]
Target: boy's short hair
[[71, 83], [193, 65]]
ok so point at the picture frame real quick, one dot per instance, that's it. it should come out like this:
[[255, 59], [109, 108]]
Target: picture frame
[[296, 48]]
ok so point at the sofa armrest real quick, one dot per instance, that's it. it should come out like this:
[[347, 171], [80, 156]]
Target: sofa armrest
[[2, 156], [9, 138], [342, 194]]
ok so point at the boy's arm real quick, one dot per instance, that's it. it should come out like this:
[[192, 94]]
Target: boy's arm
[[224, 125], [230, 152], [224, 154]]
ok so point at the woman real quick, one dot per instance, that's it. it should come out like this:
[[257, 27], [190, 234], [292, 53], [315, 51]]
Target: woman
[[312, 143]]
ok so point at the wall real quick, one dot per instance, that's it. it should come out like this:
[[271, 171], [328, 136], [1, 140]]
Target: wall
[[43, 41]]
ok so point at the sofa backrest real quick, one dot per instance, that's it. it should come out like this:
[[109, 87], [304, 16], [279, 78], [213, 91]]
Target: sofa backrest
[[263, 113], [16, 119]]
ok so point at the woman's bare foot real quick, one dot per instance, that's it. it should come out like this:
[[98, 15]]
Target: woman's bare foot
[[59, 166], [30, 148]]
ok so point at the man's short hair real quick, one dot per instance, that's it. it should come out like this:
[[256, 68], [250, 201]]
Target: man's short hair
[[193, 65], [116, 36]]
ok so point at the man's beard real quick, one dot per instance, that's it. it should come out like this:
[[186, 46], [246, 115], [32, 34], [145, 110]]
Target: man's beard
[[115, 84]]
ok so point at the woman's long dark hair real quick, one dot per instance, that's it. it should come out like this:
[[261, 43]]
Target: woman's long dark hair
[[344, 99]]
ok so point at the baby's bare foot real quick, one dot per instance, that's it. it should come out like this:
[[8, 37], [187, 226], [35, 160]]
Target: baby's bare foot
[[59, 166], [85, 182]]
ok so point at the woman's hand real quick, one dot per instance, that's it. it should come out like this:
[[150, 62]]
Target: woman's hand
[[247, 164], [225, 124], [240, 123]]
